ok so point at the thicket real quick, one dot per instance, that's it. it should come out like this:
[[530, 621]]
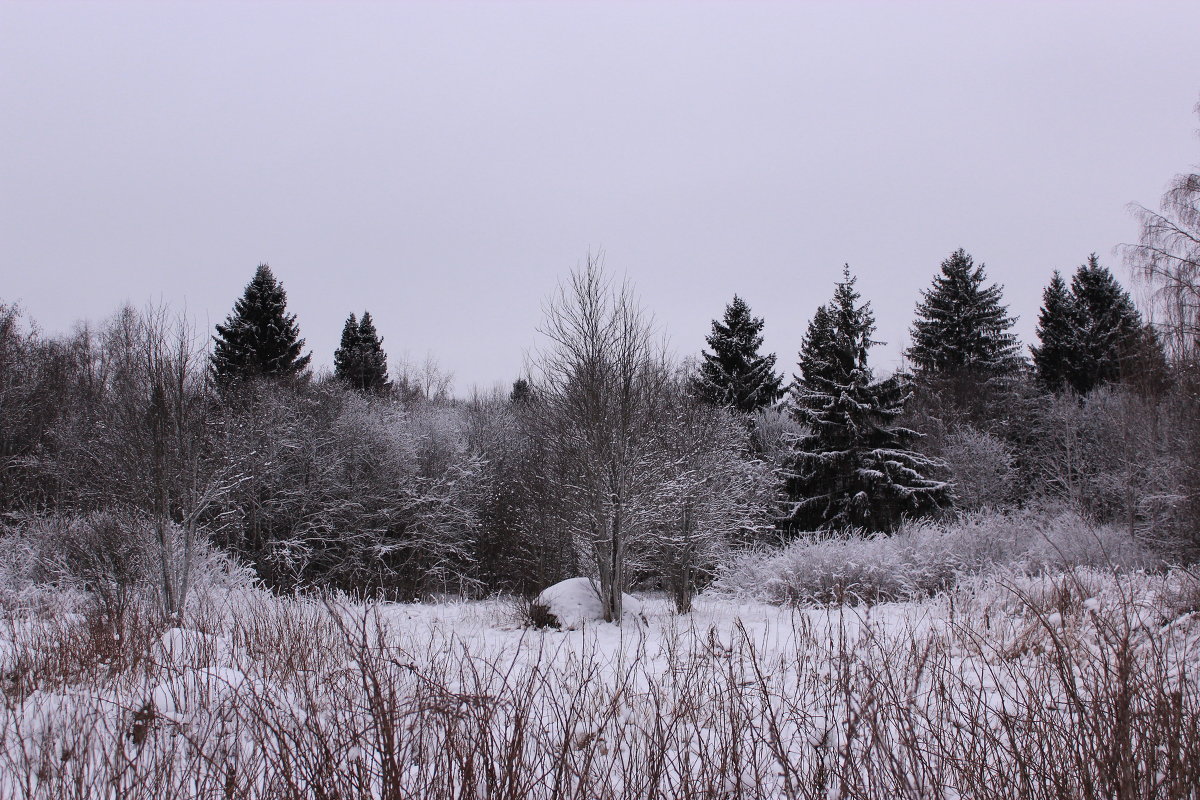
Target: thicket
[[605, 461]]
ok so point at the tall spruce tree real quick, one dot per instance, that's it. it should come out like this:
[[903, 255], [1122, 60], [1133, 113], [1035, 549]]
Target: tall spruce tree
[[962, 336], [360, 361], [259, 338], [853, 468], [734, 375], [1091, 334], [1056, 331]]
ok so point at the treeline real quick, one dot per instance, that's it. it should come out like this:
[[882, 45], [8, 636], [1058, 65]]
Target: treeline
[[607, 459]]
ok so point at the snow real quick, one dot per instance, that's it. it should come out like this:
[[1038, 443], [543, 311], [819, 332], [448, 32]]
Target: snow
[[180, 646], [451, 667], [193, 690], [576, 601]]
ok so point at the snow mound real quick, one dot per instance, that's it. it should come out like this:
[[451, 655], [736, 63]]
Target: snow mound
[[577, 600]]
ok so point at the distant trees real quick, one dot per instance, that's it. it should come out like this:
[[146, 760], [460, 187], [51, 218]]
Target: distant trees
[[734, 375], [606, 459], [138, 442], [853, 468], [962, 336], [360, 362], [1090, 334], [259, 338]]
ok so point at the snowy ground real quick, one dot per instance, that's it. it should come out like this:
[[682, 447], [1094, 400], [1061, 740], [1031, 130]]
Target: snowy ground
[[1079, 686]]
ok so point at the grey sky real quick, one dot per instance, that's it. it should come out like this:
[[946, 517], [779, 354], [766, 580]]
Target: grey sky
[[444, 165]]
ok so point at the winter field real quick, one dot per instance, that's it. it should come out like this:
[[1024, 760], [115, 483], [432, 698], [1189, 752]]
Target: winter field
[[1077, 684]]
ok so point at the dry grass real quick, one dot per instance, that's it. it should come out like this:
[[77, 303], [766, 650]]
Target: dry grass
[[1077, 686]]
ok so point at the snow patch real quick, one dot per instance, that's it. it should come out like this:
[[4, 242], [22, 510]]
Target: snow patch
[[192, 690]]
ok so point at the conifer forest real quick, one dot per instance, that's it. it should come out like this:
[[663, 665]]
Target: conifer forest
[[234, 566]]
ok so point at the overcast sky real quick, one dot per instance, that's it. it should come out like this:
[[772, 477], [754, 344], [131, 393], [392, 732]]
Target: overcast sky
[[444, 165]]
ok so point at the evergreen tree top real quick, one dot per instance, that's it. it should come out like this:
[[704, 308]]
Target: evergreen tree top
[[1102, 300], [838, 337], [1057, 335], [366, 328], [259, 337], [737, 326], [735, 375], [1090, 333], [961, 325], [360, 361]]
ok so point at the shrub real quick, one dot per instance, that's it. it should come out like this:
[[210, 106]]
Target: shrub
[[925, 558], [982, 467]]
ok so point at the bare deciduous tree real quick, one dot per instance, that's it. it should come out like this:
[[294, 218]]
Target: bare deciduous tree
[[603, 383], [1168, 258], [141, 444], [710, 493]]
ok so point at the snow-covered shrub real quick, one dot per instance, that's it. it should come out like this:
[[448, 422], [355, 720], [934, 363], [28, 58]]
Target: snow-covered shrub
[[106, 561], [924, 558], [858, 569], [982, 467], [351, 493], [1120, 457]]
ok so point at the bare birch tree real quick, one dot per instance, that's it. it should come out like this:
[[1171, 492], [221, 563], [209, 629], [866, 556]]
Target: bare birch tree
[[1168, 258]]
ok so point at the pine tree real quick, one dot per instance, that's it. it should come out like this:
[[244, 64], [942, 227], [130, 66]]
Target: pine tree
[[259, 338], [853, 468], [344, 356], [962, 337], [734, 375], [360, 361], [1056, 330]]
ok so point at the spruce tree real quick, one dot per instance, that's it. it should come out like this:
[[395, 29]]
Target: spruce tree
[[1091, 334], [962, 336], [360, 361], [259, 338], [344, 358], [734, 375], [1056, 330], [853, 468], [522, 392], [1109, 327]]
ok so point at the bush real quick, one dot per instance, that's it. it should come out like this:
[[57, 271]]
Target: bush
[[982, 467], [924, 558], [106, 562]]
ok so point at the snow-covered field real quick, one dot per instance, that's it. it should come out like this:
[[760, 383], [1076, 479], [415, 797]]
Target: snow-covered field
[[1079, 686]]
